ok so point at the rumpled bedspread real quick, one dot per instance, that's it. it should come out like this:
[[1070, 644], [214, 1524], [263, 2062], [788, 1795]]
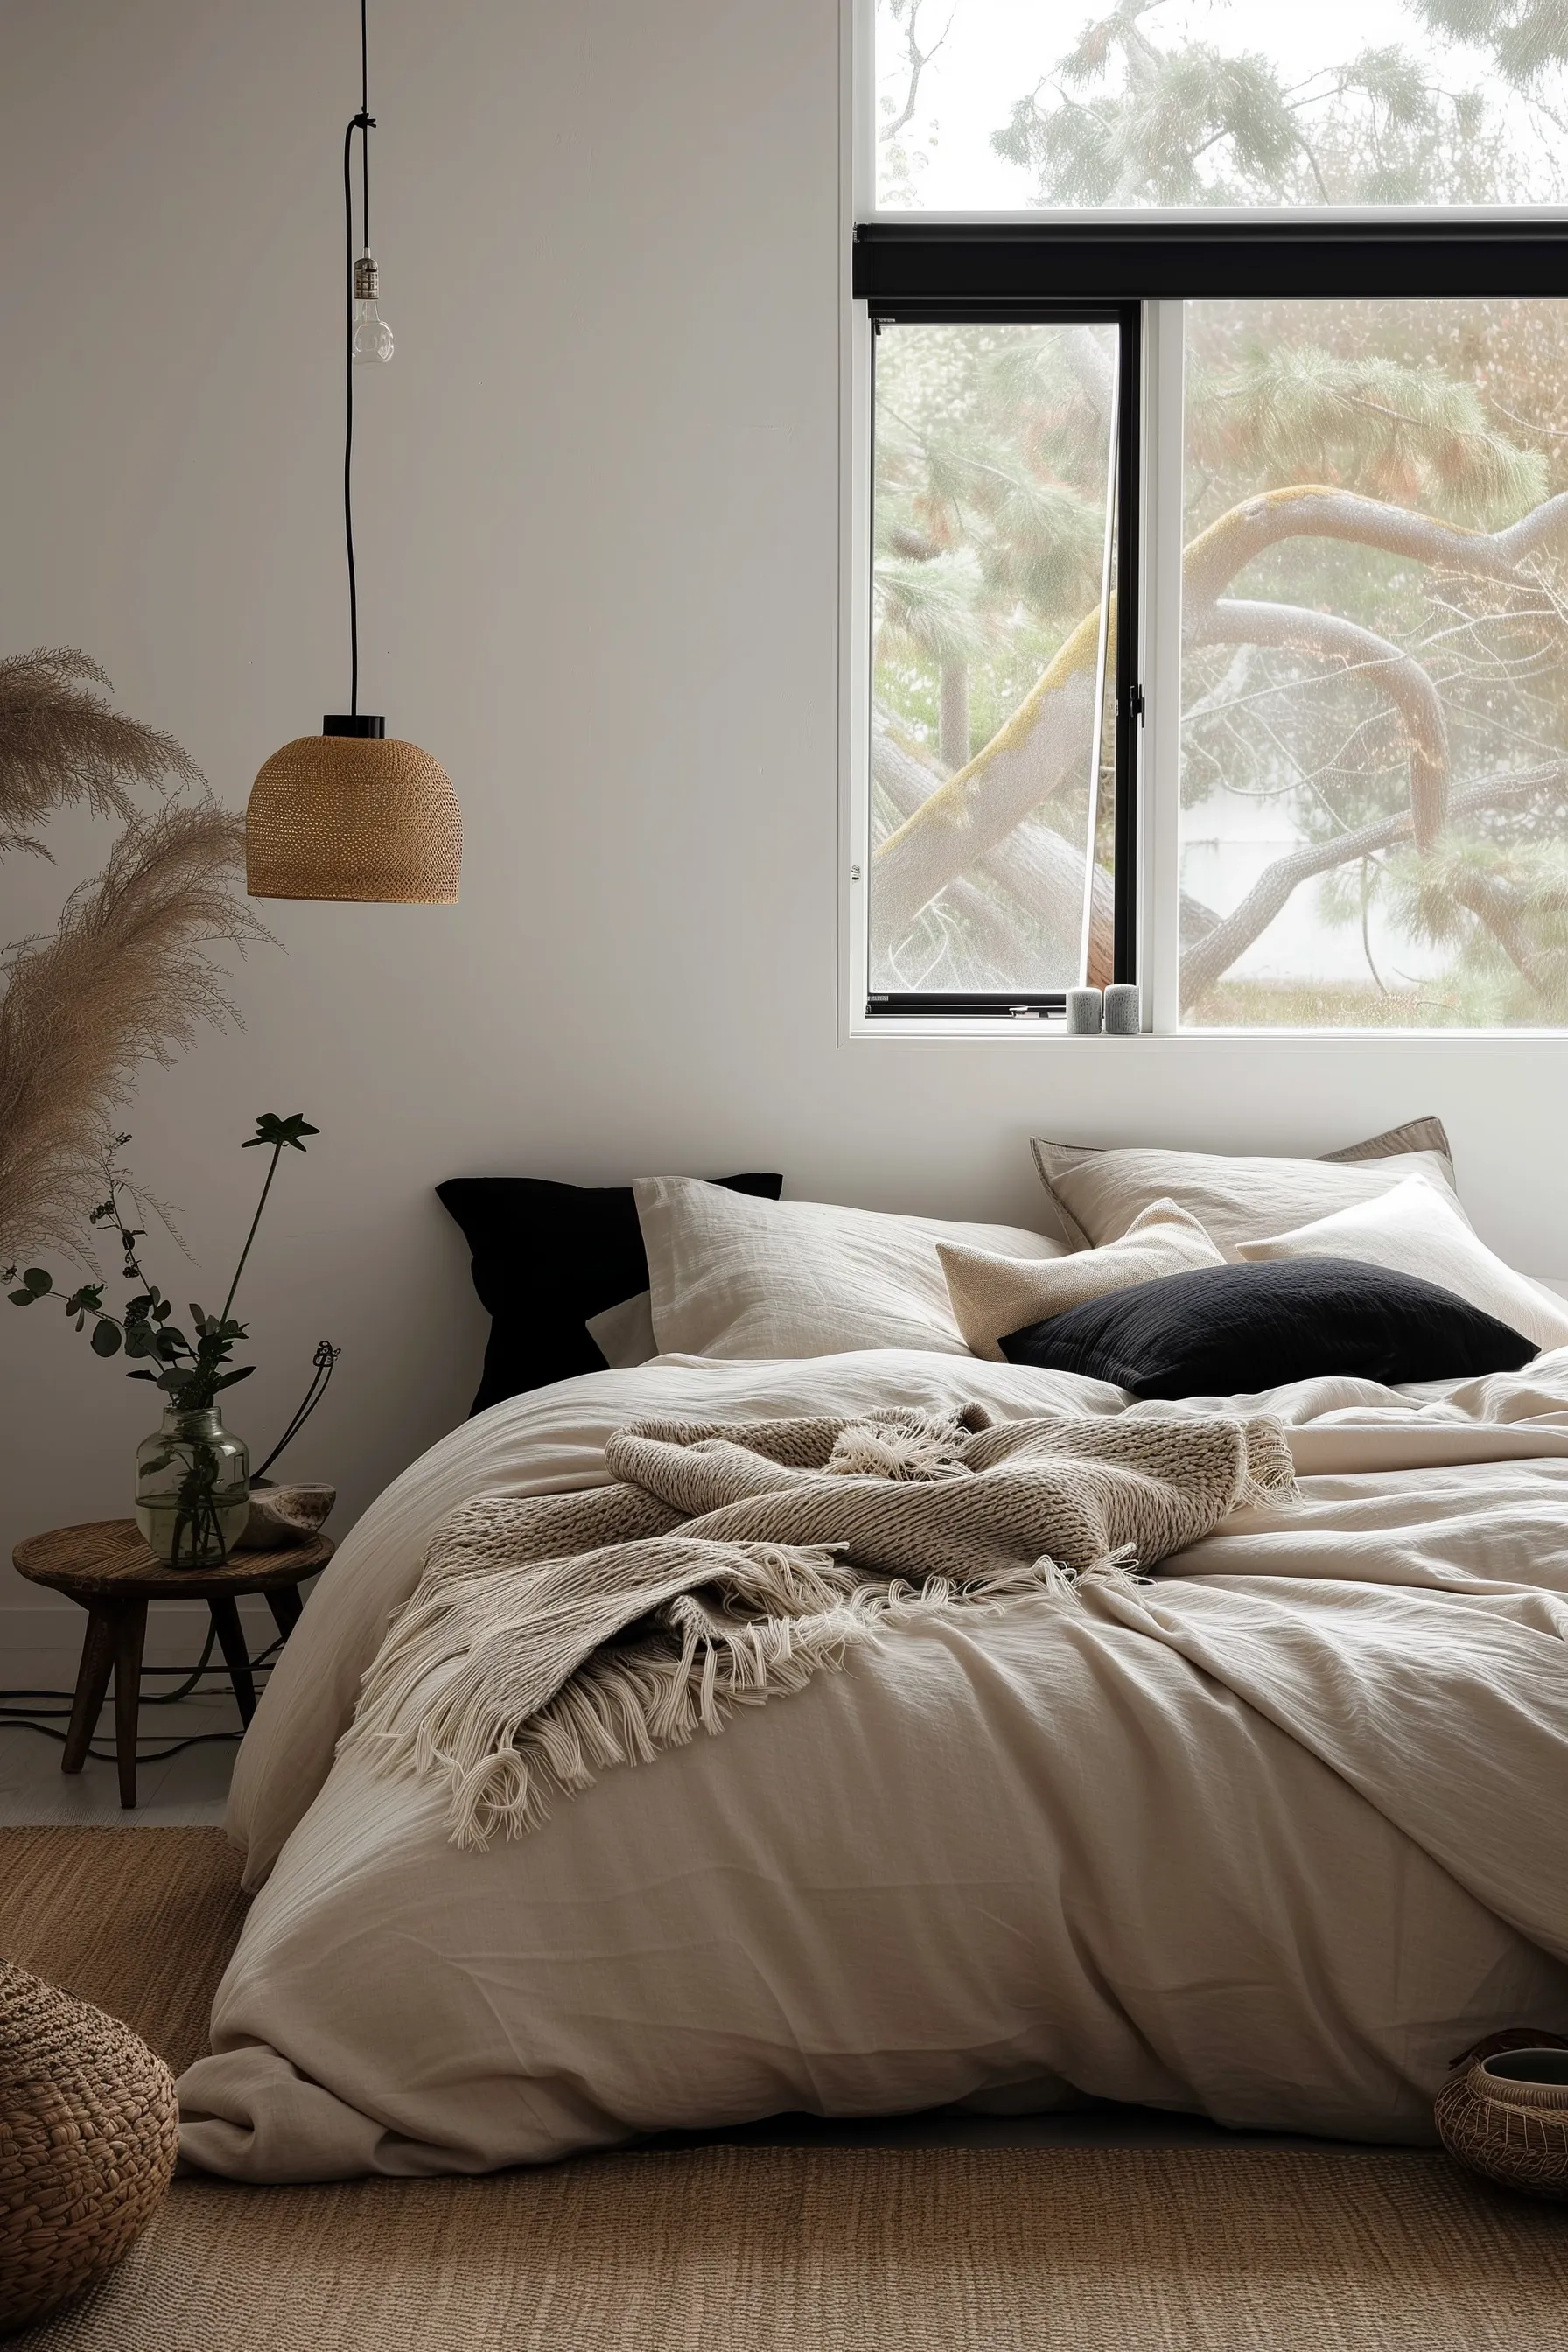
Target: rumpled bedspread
[[1270, 1837], [731, 1560]]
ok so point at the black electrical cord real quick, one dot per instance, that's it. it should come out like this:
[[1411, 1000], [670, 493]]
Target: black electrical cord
[[361, 122], [364, 123], [322, 1365], [108, 1755], [365, 110], [44, 1719]]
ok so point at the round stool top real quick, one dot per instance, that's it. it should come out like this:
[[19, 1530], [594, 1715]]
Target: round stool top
[[106, 1560]]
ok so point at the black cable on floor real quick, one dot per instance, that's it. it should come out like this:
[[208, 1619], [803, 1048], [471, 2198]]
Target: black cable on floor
[[44, 1719], [108, 1755]]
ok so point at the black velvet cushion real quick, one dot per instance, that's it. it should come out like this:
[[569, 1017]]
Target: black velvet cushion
[[1230, 1331], [546, 1256]]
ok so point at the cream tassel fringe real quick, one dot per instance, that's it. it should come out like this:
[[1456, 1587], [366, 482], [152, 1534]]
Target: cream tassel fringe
[[1268, 1480], [626, 1702]]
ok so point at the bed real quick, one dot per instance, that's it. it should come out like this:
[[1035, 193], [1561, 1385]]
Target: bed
[[1271, 1837]]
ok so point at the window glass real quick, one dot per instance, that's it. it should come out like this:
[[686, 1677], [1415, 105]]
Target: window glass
[[993, 736], [1374, 735], [1009, 104]]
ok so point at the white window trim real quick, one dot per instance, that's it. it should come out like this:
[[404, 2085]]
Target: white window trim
[[1159, 812]]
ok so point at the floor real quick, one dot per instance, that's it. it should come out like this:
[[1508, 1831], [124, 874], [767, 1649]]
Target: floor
[[182, 1792]]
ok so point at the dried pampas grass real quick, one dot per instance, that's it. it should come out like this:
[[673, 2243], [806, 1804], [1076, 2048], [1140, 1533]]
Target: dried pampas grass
[[128, 974], [60, 741]]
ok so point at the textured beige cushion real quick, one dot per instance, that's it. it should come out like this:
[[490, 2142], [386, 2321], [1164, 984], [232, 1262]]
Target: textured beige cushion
[[993, 1295], [739, 1278], [1413, 1230], [1095, 1194]]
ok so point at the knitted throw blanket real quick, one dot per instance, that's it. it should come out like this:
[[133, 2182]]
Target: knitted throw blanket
[[553, 1637]]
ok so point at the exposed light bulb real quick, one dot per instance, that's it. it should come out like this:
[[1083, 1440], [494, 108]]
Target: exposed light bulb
[[372, 336]]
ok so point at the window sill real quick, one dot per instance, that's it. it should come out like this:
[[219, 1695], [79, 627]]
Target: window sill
[[860, 1032]]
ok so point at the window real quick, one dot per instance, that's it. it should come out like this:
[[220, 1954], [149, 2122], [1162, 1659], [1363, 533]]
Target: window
[[1374, 680], [1003, 460], [1262, 374], [999, 105]]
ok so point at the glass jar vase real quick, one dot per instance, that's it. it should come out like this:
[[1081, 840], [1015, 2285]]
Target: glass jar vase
[[193, 1489]]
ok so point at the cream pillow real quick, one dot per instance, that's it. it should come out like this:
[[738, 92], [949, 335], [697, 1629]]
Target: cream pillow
[[735, 1276], [993, 1296], [624, 1334], [1096, 1194], [1413, 1230]]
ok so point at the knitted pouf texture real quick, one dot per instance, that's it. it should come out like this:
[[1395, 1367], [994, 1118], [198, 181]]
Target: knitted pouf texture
[[88, 2130]]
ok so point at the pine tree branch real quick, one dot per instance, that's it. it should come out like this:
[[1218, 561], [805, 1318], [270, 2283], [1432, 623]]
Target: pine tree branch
[[1312, 511], [1210, 957], [916, 60], [1490, 904], [1039, 870], [1327, 637], [1045, 740]]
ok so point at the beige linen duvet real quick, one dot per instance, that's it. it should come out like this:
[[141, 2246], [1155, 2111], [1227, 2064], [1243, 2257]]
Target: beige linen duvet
[[1271, 1837]]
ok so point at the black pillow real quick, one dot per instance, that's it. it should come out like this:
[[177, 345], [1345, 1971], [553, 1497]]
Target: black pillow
[[1229, 1330], [546, 1256]]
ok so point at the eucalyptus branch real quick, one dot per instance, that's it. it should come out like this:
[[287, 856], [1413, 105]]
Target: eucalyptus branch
[[189, 1372]]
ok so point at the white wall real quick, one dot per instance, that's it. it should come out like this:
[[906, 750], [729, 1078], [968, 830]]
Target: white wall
[[598, 500]]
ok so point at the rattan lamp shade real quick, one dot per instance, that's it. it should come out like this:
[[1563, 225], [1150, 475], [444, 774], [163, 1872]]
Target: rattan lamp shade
[[354, 816]]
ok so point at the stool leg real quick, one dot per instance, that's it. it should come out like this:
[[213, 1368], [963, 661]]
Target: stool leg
[[130, 1634], [286, 1606], [236, 1656], [91, 1682]]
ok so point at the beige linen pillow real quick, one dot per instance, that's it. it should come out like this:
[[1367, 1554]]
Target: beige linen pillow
[[1415, 1231], [735, 1276], [624, 1333], [1096, 1194], [995, 1296]]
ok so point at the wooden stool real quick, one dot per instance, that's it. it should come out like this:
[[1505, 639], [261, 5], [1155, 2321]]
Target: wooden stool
[[107, 1568]]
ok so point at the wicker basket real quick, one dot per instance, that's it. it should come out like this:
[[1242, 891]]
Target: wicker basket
[[1503, 2111], [88, 2137]]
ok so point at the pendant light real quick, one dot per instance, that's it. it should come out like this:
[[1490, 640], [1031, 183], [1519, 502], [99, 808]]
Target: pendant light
[[353, 813]]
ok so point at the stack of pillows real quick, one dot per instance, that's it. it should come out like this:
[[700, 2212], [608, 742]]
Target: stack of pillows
[[1166, 1274], [1163, 1313]]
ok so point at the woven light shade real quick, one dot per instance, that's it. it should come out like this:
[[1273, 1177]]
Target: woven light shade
[[354, 816]]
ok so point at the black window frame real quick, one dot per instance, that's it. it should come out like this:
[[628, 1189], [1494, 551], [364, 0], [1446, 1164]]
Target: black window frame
[[961, 272], [1127, 316]]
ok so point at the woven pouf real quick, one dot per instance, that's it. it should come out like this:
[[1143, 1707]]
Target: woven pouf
[[1503, 2111], [88, 2129]]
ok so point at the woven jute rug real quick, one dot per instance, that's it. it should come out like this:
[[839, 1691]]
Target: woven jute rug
[[745, 2249]]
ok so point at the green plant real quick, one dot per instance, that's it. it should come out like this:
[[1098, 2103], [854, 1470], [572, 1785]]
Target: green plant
[[189, 1370]]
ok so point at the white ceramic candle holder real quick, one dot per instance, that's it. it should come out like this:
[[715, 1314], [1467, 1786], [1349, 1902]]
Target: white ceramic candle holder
[[1123, 1015]]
